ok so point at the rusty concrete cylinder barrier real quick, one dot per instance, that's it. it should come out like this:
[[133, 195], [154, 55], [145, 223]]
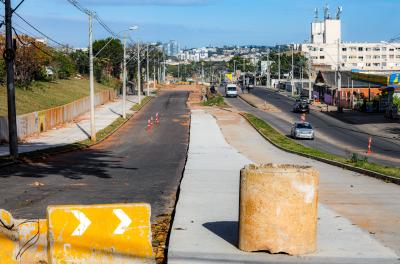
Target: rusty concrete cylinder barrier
[[278, 209]]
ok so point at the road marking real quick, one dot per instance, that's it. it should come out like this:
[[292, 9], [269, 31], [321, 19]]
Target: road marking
[[125, 221], [84, 223]]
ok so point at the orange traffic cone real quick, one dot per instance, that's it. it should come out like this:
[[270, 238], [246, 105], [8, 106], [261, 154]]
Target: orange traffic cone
[[157, 119], [149, 125], [303, 118], [369, 145]]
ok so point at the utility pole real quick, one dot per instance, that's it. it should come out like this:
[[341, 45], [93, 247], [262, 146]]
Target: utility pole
[[279, 64], [164, 70], [91, 77], [309, 78], [268, 70], [124, 82], [147, 72], [179, 71], [301, 78], [158, 70], [339, 80], [202, 73], [9, 56], [234, 66], [154, 75], [138, 73], [292, 81], [255, 73]]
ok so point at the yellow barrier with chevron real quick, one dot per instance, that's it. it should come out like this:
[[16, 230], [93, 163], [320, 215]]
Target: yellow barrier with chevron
[[114, 233]]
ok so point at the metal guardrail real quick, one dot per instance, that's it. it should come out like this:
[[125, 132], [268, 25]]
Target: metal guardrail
[[34, 123]]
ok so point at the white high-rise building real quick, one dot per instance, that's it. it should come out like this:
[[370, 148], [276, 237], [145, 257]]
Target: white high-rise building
[[326, 49], [171, 48]]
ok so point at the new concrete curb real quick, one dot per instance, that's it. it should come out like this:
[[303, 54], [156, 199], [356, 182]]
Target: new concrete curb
[[71, 147], [370, 173], [248, 101]]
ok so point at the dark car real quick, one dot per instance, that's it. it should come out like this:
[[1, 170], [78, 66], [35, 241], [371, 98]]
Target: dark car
[[301, 106]]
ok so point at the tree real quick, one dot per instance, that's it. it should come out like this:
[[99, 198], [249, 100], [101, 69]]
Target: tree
[[81, 60], [31, 58], [64, 65], [300, 62], [242, 64], [113, 52]]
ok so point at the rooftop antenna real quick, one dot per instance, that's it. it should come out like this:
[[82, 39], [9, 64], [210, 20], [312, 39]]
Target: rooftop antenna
[[316, 14], [339, 12], [326, 12]]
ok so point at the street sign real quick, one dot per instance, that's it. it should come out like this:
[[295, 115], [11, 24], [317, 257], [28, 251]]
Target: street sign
[[118, 233], [229, 76]]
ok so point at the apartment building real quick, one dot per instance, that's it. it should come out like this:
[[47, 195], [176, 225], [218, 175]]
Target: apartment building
[[327, 50]]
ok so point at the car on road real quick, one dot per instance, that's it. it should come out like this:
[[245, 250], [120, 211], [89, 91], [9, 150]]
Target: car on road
[[231, 90], [301, 106], [302, 130]]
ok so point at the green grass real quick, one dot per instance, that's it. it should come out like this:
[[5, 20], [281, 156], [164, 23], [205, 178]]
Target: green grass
[[44, 95], [215, 100], [100, 135], [286, 143]]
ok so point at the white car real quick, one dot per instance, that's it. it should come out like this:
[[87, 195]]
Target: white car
[[231, 90], [302, 130]]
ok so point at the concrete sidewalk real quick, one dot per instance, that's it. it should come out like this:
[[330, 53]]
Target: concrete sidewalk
[[205, 228], [75, 132]]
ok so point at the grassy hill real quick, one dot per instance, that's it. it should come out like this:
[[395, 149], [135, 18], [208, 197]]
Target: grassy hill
[[44, 95]]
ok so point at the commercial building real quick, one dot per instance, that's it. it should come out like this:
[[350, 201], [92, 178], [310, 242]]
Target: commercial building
[[327, 50], [196, 55]]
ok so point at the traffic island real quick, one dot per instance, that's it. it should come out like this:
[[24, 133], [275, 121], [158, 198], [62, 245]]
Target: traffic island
[[382, 172], [256, 102]]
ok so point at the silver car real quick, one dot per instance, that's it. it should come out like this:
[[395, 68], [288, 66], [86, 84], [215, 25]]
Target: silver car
[[302, 130]]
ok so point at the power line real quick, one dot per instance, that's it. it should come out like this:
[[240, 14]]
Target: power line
[[33, 27], [95, 16], [39, 31], [32, 43]]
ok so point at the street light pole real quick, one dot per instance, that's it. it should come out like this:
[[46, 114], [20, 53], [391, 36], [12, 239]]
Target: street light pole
[[202, 73], [124, 82], [339, 80], [9, 56], [164, 70], [268, 70], [138, 73], [292, 79], [309, 78], [91, 82], [147, 72], [154, 74], [279, 64]]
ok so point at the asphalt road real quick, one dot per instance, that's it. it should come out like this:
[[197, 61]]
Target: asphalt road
[[133, 165], [332, 135]]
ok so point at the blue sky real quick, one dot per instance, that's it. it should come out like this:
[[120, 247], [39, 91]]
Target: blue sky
[[195, 23]]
